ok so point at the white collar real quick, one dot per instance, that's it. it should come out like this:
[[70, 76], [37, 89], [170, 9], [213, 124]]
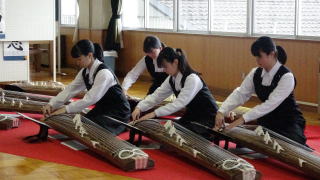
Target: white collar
[[94, 66], [178, 76], [273, 70]]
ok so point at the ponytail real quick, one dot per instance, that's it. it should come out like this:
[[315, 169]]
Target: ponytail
[[98, 52], [281, 55]]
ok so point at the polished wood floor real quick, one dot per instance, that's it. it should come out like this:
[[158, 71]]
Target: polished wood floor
[[21, 168], [15, 167]]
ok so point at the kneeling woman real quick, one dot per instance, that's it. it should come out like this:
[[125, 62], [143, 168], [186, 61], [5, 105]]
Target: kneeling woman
[[103, 88], [190, 90], [274, 85]]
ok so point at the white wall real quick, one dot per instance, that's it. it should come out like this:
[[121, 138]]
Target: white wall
[[26, 20]]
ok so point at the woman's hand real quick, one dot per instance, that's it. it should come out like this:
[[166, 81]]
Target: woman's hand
[[46, 110], [237, 122], [219, 121], [136, 114], [148, 116], [59, 111], [232, 115]]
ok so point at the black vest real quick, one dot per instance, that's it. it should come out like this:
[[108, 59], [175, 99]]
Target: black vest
[[202, 107], [157, 77], [287, 113], [113, 103]]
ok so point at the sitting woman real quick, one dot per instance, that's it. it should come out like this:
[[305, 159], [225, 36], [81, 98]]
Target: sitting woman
[[190, 90], [274, 84], [104, 90], [151, 47]]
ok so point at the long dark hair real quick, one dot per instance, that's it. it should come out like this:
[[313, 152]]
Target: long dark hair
[[265, 44], [169, 54], [84, 47], [151, 42]]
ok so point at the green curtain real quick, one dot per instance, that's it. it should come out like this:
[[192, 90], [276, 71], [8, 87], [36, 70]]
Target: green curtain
[[113, 39]]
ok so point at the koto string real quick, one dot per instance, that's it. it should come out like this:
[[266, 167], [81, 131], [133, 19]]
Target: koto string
[[109, 147], [292, 150], [97, 135], [198, 143], [112, 143]]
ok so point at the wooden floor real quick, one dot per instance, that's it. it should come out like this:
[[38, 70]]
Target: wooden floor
[[15, 167], [20, 168]]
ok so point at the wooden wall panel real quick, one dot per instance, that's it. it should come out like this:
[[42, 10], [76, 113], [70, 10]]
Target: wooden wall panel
[[84, 34], [98, 36], [68, 32], [69, 60], [222, 60], [93, 35], [303, 61]]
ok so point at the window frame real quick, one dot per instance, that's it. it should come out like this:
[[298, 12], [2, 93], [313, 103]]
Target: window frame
[[302, 37], [224, 33], [279, 36], [249, 24], [60, 16]]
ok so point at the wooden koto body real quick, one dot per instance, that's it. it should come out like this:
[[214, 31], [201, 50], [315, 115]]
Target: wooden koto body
[[277, 146], [40, 87], [21, 105], [194, 147], [24, 95], [118, 152]]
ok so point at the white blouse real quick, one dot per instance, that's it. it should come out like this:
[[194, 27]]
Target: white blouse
[[135, 72], [103, 81], [192, 86], [243, 93]]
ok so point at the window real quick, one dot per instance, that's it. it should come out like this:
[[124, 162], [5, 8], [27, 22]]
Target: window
[[160, 14], [133, 13], [229, 16], [193, 15], [69, 12], [274, 17], [309, 19], [286, 18]]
